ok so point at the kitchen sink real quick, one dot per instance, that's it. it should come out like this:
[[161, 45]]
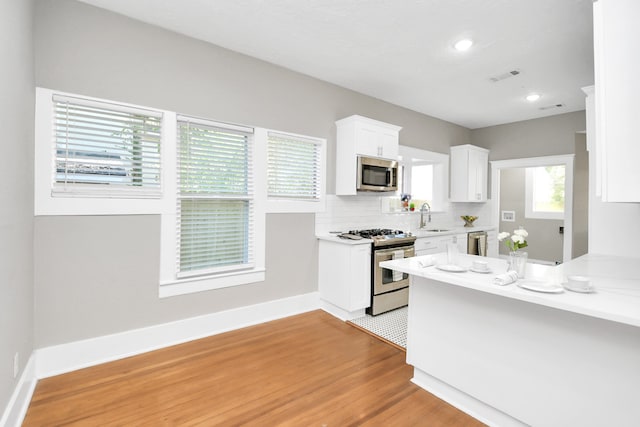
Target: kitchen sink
[[422, 232]]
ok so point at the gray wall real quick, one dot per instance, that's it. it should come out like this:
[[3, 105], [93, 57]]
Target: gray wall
[[99, 275], [547, 136], [613, 227], [580, 243], [545, 243], [16, 189]]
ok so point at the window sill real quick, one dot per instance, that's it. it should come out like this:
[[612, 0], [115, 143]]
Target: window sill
[[200, 284]]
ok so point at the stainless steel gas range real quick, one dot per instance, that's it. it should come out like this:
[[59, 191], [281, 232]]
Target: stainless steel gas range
[[389, 290]]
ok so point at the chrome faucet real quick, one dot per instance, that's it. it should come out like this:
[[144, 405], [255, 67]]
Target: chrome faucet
[[422, 223]]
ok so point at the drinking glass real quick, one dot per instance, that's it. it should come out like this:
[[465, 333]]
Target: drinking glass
[[452, 253]]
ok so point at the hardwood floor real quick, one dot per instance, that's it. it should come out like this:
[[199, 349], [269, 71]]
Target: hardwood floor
[[306, 370]]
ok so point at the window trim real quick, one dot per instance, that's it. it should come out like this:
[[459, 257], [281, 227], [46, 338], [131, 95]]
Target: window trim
[[280, 205], [529, 212], [565, 159], [211, 195], [45, 203], [165, 206], [440, 164], [172, 285], [410, 181]]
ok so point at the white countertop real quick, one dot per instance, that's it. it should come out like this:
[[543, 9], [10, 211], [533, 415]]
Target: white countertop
[[330, 237], [616, 281], [450, 230], [333, 237]]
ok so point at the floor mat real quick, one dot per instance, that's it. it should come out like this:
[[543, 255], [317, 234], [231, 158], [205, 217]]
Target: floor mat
[[392, 326]]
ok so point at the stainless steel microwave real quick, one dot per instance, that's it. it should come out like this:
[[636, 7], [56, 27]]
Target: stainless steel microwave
[[377, 174]]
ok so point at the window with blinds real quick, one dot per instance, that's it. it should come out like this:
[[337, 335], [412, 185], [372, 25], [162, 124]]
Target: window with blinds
[[215, 200], [293, 167], [105, 149]]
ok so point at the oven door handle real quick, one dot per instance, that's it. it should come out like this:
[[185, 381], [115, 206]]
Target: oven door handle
[[392, 250], [387, 254]]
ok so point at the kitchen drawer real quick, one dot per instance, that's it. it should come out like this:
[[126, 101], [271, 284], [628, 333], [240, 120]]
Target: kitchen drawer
[[428, 244]]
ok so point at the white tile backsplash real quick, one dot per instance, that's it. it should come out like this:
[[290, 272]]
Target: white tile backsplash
[[482, 210], [345, 213]]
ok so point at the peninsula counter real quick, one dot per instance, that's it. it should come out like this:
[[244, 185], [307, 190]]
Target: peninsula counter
[[511, 356]]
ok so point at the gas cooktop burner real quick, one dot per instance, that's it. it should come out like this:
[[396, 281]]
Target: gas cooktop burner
[[377, 232], [384, 236]]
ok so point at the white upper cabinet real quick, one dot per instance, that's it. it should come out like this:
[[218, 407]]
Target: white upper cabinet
[[617, 110], [595, 150], [469, 166], [361, 136], [371, 137], [368, 137]]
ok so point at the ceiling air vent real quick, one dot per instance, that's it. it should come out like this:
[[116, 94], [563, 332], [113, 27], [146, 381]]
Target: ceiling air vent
[[506, 75], [549, 107]]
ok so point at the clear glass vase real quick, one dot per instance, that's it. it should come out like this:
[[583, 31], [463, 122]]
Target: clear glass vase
[[518, 262]]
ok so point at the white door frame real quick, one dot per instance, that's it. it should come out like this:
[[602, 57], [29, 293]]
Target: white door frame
[[567, 161]]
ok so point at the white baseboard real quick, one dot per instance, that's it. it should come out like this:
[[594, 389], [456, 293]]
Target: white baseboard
[[340, 313], [19, 403], [468, 404], [69, 357], [59, 359]]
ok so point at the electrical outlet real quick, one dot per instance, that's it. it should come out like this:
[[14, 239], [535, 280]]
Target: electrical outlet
[[509, 216], [16, 365]]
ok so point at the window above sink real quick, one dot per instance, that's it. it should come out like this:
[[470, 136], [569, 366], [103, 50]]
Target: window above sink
[[423, 174]]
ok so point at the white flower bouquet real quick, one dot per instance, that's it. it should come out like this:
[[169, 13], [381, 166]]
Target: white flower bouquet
[[514, 241]]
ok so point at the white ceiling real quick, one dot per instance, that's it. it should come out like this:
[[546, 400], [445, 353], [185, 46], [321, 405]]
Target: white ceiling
[[401, 51]]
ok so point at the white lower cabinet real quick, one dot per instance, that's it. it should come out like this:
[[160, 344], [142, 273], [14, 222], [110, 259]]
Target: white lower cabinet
[[427, 246], [437, 244], [344, 277], [492, 243], [461, 241]]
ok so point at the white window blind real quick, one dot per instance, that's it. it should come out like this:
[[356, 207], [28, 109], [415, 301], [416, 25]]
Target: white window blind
[[105, 149], [293, 167], [215, 200]]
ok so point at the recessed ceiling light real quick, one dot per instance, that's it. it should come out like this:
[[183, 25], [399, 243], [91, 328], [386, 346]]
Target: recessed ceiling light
[[533, 97], [463, 45]]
